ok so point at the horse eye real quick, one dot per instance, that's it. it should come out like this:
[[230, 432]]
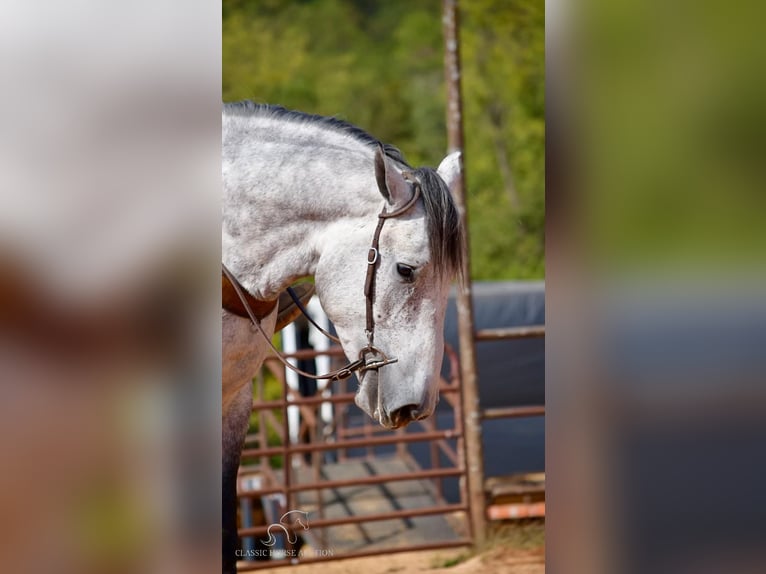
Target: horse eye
[[405, 271]]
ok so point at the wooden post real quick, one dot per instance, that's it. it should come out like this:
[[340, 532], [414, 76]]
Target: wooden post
[[470, 394]]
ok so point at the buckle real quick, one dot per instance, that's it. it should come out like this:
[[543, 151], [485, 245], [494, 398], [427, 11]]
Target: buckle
[[372, 256]]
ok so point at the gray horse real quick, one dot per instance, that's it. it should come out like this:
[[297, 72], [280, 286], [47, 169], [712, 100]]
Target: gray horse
[[302, 196]]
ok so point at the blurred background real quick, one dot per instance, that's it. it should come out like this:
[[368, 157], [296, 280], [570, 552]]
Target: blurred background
[[110, 334], [656, 299]]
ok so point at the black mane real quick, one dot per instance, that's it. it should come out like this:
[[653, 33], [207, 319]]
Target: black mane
[[250, 108]]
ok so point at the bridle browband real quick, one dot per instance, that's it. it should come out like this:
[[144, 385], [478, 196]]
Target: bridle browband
[[373, 257]]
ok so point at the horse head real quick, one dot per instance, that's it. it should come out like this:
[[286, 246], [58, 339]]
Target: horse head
[[419, 253]]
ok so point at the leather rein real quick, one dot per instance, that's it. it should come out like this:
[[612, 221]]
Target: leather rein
[[361, 365]]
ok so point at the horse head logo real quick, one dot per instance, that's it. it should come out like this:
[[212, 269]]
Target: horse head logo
[[288, 527]]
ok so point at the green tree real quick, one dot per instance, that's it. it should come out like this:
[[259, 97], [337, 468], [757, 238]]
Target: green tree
[[503, 58]]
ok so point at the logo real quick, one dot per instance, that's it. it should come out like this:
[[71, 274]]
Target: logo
[[288, 524]]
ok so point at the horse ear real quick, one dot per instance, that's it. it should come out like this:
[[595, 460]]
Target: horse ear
[[449, 170], [391, 183]]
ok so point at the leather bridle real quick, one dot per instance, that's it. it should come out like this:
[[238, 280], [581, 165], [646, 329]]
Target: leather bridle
[[362, 364]]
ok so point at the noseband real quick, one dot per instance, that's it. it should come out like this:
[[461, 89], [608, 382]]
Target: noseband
[[378, 357]]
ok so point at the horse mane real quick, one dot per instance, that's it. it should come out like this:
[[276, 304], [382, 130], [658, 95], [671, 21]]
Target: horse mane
[[445, 231]]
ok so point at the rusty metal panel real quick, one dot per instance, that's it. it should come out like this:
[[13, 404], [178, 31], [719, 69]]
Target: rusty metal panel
[[362, 503]]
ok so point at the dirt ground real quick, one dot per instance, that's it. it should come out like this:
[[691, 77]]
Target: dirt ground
[[457, 561], [516, 548]]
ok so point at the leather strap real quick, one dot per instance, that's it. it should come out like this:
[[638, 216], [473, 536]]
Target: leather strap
[[373, 258], [291, 304]]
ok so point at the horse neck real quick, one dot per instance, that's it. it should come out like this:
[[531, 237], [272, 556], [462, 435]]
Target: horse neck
[[283, 223]]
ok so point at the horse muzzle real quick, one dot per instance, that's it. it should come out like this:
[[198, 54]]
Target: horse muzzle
[[389, 411]]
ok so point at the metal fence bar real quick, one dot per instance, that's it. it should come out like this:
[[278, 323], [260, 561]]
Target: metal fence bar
[[513, 412], [353, 443], [279, 403], [378, 479], [504, 333]]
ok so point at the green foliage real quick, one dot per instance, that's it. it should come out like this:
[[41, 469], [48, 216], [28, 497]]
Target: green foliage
[[380, 65]]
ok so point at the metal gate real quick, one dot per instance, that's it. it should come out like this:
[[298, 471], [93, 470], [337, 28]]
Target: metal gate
[[349, 487]]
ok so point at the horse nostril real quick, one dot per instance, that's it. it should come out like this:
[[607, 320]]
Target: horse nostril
[[404, 414]]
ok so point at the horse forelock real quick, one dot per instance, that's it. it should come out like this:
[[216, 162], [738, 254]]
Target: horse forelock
[[445, 230]]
